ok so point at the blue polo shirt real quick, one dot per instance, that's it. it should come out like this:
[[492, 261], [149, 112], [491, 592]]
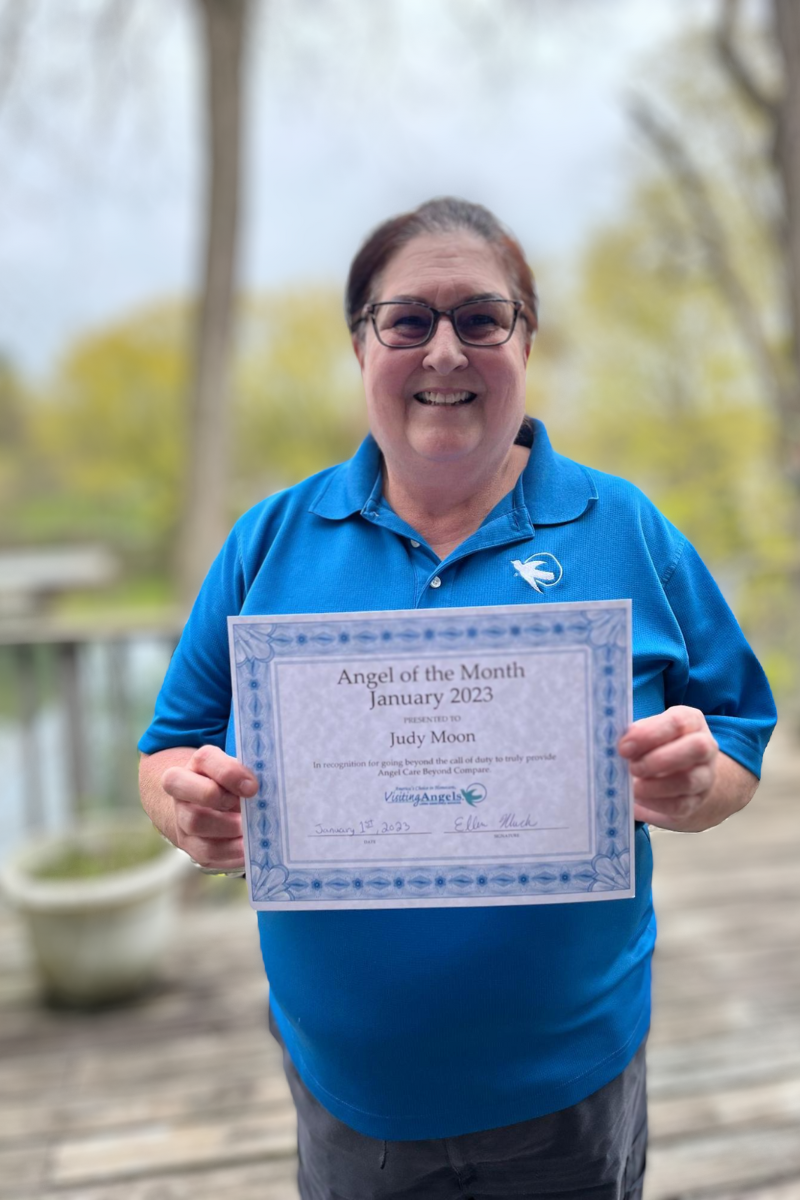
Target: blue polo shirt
[[436, 1022]]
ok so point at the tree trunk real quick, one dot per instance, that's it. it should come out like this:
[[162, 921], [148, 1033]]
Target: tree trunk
[[786, 16], [204, 518]]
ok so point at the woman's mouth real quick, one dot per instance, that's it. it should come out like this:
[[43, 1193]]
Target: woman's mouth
[[441, 398]]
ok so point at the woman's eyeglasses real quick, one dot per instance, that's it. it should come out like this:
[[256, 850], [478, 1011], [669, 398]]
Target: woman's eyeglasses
[[401, 324]]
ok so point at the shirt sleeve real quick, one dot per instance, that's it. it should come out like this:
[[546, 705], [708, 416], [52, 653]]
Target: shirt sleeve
[[723, 677], [194, 705]]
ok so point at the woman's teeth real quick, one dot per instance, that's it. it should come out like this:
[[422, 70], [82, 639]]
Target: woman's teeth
[[444, 397]]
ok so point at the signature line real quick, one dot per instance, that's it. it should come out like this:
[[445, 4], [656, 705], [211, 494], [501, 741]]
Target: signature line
[[529, 829], [399, 833]]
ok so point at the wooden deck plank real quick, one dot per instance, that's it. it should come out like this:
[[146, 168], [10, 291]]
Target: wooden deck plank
[[769, 1104], [274, 1180], [786, 1189], [706, 1165], [244, 1136], [665, 1081], [173, 1100], [23, 1173]]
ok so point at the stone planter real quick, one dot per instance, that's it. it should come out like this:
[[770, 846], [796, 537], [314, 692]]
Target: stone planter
[[98, 939]]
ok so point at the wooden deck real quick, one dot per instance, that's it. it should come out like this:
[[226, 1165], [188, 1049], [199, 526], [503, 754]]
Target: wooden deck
[[167, 1100]]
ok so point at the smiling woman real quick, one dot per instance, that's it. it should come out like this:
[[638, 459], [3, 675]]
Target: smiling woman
[[457, 499], [444, 374], [442, 402]]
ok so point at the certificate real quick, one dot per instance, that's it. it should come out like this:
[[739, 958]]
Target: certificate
[[462, 756]]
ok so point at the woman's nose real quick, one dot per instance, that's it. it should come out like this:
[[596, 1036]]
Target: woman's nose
[[444, 352]]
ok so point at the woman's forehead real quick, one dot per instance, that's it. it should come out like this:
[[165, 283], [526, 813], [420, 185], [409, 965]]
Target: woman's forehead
[[459, 262]]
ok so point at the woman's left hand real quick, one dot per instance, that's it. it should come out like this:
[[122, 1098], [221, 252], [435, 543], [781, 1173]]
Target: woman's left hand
[[681, 780]]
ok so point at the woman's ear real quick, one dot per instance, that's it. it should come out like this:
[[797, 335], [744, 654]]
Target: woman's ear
[[529, 343], [358, 347]]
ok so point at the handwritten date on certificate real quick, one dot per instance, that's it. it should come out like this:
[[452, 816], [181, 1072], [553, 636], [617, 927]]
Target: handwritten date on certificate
[[462, 756]]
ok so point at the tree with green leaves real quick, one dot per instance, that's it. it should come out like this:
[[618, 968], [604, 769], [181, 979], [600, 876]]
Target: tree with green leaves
[[108, 435], [722, 114]]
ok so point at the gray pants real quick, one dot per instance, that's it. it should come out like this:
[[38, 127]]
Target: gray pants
[[594, 1150]]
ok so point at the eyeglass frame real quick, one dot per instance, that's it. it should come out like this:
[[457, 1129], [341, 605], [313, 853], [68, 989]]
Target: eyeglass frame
[[369, 311]]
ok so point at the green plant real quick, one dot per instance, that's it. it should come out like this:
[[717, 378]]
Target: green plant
[[111, 851]]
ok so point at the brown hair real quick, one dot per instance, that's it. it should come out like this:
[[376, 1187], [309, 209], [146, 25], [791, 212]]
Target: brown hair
[[443, 215]]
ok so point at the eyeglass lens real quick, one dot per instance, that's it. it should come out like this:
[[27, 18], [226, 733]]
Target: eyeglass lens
[[478, 323]]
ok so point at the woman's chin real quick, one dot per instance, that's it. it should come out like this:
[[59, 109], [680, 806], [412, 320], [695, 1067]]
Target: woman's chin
[[444, 442], [444, 448]]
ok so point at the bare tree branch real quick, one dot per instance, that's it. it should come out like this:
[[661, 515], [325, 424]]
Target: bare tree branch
[[735, 66], [14, 20], [111, 36], [111, 23], [712, 236], [787, 159]]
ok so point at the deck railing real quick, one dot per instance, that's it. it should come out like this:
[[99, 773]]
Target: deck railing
[[73, 702]]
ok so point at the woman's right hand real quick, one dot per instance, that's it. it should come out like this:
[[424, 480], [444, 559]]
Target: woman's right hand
[[205, 792]]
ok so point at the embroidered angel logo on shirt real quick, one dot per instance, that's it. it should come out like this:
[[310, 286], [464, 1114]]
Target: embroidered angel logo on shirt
[[543, 568]]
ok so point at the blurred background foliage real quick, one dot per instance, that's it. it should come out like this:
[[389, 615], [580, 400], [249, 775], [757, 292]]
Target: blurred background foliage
[[97, 450]]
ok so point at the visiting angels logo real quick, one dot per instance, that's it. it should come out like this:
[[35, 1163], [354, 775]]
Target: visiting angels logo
[[437, 793], [543, 568], [474, 794]]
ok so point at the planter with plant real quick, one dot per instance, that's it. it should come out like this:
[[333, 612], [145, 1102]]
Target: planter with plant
[[99, 903]]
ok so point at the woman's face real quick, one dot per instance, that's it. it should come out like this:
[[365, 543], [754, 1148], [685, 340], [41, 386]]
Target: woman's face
[[444, 402]]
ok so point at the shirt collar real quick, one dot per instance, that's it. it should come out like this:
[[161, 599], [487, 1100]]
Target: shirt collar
[[350, 485], [556, 490]]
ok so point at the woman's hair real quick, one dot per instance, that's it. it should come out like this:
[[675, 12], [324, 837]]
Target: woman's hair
[[443, 215]]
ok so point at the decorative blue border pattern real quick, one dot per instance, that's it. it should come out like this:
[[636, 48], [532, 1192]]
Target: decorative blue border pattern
[[604, 628]]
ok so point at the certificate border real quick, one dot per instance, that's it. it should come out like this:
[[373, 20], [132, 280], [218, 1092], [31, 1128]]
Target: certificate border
[[604, 627]]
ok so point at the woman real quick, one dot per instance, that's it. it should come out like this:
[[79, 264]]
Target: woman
[[481, 1051]]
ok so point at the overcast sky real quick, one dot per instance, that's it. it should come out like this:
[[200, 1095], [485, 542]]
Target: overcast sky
[[355, 111]]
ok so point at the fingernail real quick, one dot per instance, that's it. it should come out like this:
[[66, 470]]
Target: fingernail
[[249, 788], [625, 747]]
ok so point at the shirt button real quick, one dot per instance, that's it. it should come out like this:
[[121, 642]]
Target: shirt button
[[436, 581], [415, 544]]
